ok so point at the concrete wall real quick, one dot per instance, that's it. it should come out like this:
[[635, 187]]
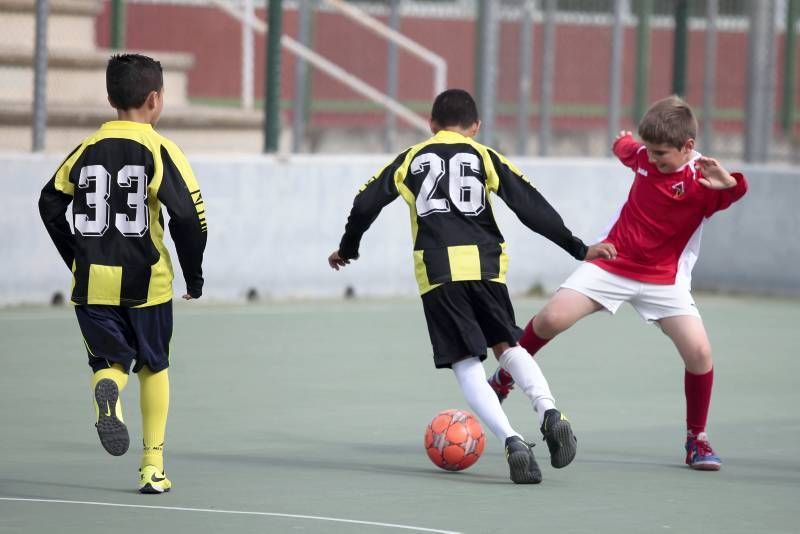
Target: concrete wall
[[272, 224]]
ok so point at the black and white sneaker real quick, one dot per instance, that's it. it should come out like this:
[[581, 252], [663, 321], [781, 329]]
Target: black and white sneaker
[[112, 431], [521, 463], [560, 440]]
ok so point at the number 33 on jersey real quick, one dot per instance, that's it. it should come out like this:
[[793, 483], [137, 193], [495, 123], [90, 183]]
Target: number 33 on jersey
[[446, 182], [117, 180]]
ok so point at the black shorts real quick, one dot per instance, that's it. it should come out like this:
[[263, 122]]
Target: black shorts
[[466, 317], [114, 334]]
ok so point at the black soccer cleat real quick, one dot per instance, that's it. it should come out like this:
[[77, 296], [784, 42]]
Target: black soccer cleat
[[521, 463], [112, 431], [560, 440]]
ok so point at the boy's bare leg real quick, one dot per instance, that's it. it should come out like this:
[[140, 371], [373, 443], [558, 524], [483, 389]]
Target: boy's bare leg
[[562, 311], [689, 336]]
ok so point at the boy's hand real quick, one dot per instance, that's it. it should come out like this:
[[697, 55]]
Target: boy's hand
[[621, 134], [605, 251], [187, 296], [714, 175], [336, 261]]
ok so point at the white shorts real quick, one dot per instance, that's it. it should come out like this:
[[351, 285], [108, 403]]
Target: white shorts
[[651, 301]]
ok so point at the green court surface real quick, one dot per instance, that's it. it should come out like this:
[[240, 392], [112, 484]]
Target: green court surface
[[309, 417]]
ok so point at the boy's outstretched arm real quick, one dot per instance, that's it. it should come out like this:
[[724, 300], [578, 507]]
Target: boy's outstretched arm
[[625, 148], [726, 187], [180, 193], [370, 200], [714, 175], [537, 214]]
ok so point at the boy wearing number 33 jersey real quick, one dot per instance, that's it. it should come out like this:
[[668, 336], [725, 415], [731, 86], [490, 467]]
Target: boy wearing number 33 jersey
[[460, 264], [116, 180]]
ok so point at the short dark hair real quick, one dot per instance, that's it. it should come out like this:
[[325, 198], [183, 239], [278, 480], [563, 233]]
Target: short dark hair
[[130, 78], [670, 121], [454, 107]]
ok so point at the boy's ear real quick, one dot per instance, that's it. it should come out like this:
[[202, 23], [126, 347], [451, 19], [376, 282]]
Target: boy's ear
[[434, 127], [111, 102], [152, 100], [475, 128], [689, 145]]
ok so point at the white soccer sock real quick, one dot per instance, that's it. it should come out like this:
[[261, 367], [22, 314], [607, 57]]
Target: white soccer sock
[[529, 379], [482, 398]]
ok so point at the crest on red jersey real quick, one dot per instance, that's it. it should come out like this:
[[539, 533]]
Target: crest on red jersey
[[678, 190]]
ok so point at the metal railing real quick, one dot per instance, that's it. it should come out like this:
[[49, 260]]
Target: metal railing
[[374, 25], [250, 22]]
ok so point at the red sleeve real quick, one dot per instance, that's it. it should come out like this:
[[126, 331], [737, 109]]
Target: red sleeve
[[626, 149], [722, 199]]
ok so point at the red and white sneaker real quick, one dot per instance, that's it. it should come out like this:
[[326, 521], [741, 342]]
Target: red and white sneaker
[[502, 383], [700, 455]]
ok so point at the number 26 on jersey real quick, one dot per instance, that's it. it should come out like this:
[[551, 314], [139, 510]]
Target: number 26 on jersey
[[466, 192]]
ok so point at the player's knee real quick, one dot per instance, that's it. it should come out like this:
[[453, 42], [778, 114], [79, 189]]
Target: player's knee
[[550, 322], [704, 354], [699, 360]]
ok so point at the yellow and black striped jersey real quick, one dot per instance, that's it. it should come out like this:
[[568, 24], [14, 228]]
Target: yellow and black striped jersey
[[117, 180], [446, 182]]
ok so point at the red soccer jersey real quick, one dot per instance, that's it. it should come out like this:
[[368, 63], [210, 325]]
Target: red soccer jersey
[[657, 231]]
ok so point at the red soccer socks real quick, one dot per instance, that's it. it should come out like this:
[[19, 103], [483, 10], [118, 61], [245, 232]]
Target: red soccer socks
[[698, 399]]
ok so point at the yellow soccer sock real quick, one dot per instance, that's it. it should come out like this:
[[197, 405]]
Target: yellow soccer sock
[[120, 378], [154, 402]]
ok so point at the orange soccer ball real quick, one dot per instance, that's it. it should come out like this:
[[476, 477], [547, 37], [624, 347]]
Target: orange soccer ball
[[454, 440]]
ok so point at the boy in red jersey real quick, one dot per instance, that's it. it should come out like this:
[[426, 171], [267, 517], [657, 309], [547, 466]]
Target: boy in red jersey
[[657, 238]]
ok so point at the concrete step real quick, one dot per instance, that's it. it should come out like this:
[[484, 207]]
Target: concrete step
[[195, 128], [70, 24], [76, 87], [78, 77]]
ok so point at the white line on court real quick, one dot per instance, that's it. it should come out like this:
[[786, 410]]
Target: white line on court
[[280, 307], [235, 512]]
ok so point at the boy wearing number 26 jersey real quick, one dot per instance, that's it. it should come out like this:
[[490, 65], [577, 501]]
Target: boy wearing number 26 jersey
[[117, 180], [460, 264]]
